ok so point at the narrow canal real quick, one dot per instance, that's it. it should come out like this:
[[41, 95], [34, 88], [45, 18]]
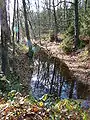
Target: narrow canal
[[51, 76]]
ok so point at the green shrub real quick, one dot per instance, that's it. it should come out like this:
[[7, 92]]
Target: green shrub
[[9, 83], [67, 45], [70, 30], [85, 24], [82, 44]]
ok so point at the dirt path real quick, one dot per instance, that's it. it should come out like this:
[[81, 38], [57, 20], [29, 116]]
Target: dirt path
[[79, 67]]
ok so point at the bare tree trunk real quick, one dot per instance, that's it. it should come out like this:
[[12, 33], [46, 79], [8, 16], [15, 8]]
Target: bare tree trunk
[[89, 49], [49, 13], [32, 29], [26, 23], [30, 23], [13, 28], [18, 36], [4, 39], [76, 25], [9, 31], [27, 30], [39, 21], [13, 42], [55, 18], [64, 15]]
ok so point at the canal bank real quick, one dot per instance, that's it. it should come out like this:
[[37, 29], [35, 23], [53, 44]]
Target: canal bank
[[79, 67]]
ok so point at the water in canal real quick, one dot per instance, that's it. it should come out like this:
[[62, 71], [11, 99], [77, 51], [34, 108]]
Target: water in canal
[[50, 75]]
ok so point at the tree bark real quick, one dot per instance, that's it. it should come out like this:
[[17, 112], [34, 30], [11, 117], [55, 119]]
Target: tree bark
[[18, 35], [26, 23], [30, 52], [76, 25], [49, 13], [39, 20], [30, 23], [89, 49], [4, 39], [9, 31], [13, 28], [55, 19]]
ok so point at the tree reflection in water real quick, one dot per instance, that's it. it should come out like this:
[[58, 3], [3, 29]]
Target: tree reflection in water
[[48, 77]]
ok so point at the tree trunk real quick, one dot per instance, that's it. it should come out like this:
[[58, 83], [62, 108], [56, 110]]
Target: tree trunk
[[30, 52], [55, 19], [49, 14], [9, 31], [4, 38], [76, 25], [32, 29], [89, 49], [18, 36], [39, 21], [64, 15], [13, 28], [30, 23], [26, 23]]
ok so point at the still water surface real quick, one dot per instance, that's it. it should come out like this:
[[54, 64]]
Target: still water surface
[[50, 75]]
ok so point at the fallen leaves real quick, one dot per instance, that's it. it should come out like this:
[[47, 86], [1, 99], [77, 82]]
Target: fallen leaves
[[20, 108]]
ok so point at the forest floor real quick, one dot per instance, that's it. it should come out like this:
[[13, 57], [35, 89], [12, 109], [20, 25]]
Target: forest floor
[[78, 62], [22, 108]]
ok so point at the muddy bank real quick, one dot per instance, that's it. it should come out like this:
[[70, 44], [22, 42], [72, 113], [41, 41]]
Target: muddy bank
[[47, 73], [80, 69]]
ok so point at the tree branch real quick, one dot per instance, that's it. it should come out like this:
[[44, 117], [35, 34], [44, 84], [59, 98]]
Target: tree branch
[[64, 1]]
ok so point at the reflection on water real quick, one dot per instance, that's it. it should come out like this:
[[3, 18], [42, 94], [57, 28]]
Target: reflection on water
[[47, 77]]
